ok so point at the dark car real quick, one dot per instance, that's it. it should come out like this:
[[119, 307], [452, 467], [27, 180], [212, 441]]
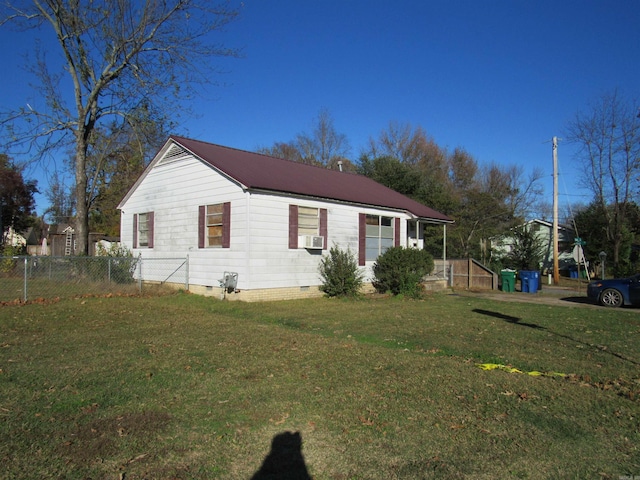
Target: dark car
[[615, 292]]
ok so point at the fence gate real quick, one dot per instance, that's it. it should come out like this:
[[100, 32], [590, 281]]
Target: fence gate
[[469, 273]]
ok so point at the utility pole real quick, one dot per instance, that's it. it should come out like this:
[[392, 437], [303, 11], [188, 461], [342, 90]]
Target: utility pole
[[556, 269]]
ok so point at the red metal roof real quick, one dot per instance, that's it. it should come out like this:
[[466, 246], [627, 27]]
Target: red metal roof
[[261, 172]]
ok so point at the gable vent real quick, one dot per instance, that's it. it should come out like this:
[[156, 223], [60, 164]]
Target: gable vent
[[176, 152]]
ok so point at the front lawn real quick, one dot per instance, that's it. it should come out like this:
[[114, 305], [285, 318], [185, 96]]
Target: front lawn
[[182, 386]]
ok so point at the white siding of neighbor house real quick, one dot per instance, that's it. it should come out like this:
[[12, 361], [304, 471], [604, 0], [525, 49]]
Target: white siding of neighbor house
[[259, 241], [504, 245]]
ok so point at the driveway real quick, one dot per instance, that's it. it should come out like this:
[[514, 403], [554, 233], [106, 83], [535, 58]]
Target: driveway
[[549, 295]]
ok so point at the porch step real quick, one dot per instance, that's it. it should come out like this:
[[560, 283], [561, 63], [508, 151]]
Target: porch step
[[435, 284]]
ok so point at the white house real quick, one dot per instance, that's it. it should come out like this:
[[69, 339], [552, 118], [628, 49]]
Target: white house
[[265, 219], [503, 245], [13, 238]]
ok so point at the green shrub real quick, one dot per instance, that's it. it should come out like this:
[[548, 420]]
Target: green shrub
[[7, 254], [401, 270], [340, 273], [118, 265]]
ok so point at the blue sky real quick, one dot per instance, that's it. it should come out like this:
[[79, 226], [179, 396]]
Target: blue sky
[[498, 78]]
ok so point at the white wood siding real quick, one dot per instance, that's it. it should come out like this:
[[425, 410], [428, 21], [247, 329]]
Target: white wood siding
[[259, 246], [271, 262], [174, 192]]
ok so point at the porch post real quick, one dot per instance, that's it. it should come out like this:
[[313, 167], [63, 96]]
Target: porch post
[[444, 252], [444, 244]]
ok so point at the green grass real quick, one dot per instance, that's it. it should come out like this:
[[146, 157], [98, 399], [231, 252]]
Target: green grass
[[183, 386], [12, 290]]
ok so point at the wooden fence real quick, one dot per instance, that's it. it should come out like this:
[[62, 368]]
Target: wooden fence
[[469, 273]]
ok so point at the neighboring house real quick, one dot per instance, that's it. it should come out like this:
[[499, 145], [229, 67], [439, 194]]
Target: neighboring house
[[106, 244], [29, 239], [266, 220], [56, 240], [503, 245], [14, 239], [36, 240], [62, 241]]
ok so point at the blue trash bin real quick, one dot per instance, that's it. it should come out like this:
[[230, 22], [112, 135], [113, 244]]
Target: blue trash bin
[[529, 281], [524, 281]]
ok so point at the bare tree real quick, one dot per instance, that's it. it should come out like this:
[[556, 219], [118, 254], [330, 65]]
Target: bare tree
[[324, 145], [608, 140], [61, 201], [463, 170], [523, 195], [414, 147], [407, 144], [488, 200], [288, 151], [118, 56]]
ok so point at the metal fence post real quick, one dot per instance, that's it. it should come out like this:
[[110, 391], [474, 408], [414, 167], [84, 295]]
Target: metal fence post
[[50, 277], [25, 278]]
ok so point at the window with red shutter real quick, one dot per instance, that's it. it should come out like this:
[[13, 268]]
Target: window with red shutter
[[214, 225], [380, 233], [310, 221]]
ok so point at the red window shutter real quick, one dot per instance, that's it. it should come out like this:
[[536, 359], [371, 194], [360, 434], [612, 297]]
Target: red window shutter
[[135, 230], [201, 227], [150, 234], [226, 225], [362, 238], [293, 226], [396, 233], [323, 226]]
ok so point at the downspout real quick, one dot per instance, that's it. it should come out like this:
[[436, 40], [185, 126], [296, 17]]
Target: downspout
[[248, 236]]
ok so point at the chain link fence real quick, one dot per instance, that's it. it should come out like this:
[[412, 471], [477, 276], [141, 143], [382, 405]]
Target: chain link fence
[[33, 277]]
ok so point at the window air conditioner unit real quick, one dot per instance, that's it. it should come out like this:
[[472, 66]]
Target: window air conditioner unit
[[313, 242]]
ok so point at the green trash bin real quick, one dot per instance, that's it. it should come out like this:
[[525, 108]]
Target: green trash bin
[[508, 280]]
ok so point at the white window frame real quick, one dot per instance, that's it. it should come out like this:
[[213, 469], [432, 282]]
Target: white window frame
[[211, 223], [308, 221], [143, 229], [380, 235]]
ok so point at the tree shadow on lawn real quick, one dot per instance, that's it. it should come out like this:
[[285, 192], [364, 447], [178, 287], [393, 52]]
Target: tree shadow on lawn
[[507, 318], [517, 321]]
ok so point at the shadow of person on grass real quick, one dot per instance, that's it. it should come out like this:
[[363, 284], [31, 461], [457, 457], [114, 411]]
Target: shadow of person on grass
[[285, 460]]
